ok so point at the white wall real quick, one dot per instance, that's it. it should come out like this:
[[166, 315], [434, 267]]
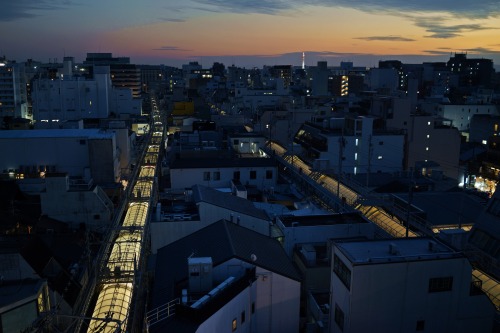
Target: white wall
[[222, 320], [210, 213], [74, 207], [363, 153], [278, 303], [462, 114], [186, 178], [322, 233], [392, 297]]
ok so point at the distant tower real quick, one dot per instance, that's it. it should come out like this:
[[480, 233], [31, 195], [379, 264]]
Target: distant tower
[[303, 60]]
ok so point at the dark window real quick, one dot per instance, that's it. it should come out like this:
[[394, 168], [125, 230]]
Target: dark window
[[253, 174], [341, 270], [339, 317], [269, 174], [97, 217], [236, 175], [420, 325], [440, 284], [243, 317], [216, 175], [206, 175], [236, 142], [83, 142], [253, 307], [381, 143]]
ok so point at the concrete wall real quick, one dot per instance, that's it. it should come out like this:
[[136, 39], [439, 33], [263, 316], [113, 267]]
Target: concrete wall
[[392, 297], [186, 178]]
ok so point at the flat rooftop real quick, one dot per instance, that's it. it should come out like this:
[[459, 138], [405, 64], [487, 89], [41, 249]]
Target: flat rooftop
[[395, 250], [327, 219], [56, 133]]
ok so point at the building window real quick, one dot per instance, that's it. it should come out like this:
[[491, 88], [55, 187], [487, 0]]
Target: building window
[[420, 325], [234, 326], [440, 284], [253, 307], [253, 174], [342, 272], [206, 175], [269, 174], [339, 317], [242, 317], [83, 142], [381, 143], [217, 175], [97, 217], [236, 175]]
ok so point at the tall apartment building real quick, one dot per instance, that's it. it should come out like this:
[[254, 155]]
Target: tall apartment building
[[123, 73], [353, 145], [429, 137], [13, 98], [72, 97], [405, 285]]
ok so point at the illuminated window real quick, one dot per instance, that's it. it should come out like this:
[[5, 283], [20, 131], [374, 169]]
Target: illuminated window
[[496, 127], [428, 136], [234, 325], [429, 123], [426, 148], [357, 141], [380, 157], [356, 156]]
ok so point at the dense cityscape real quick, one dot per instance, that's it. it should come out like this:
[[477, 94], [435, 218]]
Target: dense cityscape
[[281, 198]]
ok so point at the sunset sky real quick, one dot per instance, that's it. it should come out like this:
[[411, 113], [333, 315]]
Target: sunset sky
[[251, 33]]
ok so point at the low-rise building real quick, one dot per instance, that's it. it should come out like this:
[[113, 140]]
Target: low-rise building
[[405, 285], [225, 278]]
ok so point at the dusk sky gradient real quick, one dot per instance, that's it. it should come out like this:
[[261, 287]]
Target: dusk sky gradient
[[251, 33]]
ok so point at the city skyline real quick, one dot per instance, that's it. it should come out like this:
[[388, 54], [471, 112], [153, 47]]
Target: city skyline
[[250, 33]]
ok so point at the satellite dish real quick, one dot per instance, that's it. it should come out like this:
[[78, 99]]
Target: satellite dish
[[253, 257]]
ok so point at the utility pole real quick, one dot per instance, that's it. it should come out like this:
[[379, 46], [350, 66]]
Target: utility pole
[[341, 157], [410, 197], [370, 153]]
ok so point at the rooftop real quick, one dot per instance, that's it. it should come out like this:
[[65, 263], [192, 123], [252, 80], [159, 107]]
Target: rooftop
[[226, 200], [197, 163], [317, 220], [395, 250], [56, 133]]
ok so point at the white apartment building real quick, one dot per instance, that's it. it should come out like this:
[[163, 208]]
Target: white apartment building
[[460, 115], [228, 279], [72, 97], [405, 285], [429, 137], [13, 97], [352, 145]]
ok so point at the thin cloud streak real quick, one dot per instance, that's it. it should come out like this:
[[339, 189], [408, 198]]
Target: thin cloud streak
[[386, 38], [169, 48], [12, 10]]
